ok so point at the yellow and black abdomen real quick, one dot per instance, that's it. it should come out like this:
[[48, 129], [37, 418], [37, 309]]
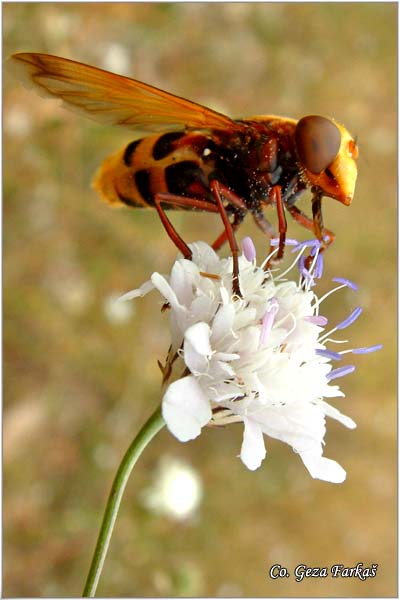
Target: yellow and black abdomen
[[174, 162]]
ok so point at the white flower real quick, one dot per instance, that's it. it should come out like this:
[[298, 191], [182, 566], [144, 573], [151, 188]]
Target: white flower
[[260, 359]]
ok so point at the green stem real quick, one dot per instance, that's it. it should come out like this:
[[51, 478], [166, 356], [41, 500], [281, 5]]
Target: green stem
[[145, 435]]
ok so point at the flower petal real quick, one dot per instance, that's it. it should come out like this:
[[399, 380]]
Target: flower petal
[[323, 468], [165, 290], [185, 408], [223, 322], [140, 292], [183, 272], [301, 426], [204, 256], [253, 449], [334, 413], [198, 336], [197, 349]]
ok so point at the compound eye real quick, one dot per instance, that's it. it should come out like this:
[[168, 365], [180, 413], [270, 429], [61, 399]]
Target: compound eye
[[317, 142]]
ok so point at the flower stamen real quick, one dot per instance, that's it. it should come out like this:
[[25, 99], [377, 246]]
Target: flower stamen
[[268, 320], [249, 250], [329, 354], [340, 372], [346, 283], [210, 275], [317, 320], [350, 319]]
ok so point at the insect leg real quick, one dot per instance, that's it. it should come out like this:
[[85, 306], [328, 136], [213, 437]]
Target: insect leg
[[175, 200], [221, 239], [326, 236], [264, 224], [276, 196], [217, 190], [237, 202], [315, 225], [186, 202], [230, 196]]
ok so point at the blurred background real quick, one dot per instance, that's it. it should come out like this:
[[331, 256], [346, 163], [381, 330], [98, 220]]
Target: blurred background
[[80, 375]]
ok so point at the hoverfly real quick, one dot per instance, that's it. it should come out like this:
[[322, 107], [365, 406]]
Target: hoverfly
[[201, 159]]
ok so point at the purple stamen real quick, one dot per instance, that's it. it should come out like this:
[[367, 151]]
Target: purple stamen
[[268, 320], [317, 320], [288, 242], [248, 248], [350, 319], [329, 354], [346, 282], [367, 349], [291, 242], [314, 244], [340, 372], [327, 239], [319, 266]]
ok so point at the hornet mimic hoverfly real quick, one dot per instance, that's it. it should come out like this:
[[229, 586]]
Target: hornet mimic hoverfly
[[201, 159]]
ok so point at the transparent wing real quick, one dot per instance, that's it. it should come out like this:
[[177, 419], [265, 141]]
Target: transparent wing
[[114, 99]]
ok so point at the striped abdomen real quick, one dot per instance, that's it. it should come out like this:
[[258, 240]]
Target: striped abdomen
[[175, 162]]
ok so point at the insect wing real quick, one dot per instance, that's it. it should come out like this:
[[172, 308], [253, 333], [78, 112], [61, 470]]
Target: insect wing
[[114, 99]]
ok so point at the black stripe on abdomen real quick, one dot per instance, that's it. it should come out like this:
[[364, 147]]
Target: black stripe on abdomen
[[142, 180], [127, 201], [129, 152], [165, 144], [180, 176]]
